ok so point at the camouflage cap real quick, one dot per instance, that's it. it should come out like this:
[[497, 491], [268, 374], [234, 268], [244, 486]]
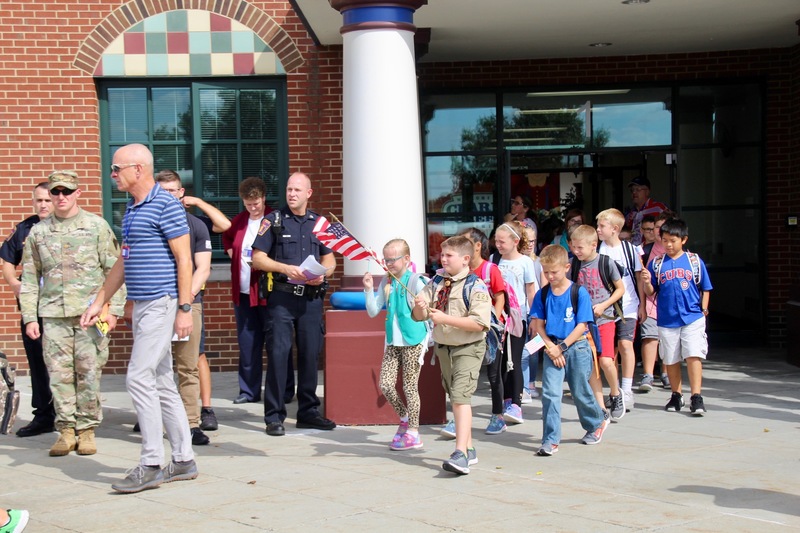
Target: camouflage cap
[[63, 178]]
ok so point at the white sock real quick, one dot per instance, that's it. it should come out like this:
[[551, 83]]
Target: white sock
[[404, 419], [626, 384]]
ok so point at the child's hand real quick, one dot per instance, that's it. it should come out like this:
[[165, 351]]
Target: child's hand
[[421, 304], [367, 281], [646, 277], [598, 310], [437, 316]]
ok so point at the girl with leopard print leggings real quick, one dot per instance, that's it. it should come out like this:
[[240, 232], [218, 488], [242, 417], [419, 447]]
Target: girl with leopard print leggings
[[406, 339]]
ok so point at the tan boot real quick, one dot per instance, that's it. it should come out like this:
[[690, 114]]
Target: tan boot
[[65, 443], [86, 442]]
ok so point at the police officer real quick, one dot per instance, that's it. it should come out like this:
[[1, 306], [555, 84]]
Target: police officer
[[294, 305], [44, 413], [71, 252]]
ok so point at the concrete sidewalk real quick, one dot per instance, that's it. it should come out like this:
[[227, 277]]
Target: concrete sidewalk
[[735, 469]]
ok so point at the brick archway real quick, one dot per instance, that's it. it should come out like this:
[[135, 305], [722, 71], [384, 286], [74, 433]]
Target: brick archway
[[134, 11]]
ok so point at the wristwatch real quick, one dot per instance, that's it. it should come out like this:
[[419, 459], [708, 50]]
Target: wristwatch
[[562, 346], [186, 308]]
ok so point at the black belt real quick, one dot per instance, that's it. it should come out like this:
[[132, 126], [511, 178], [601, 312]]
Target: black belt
[[297, 289]]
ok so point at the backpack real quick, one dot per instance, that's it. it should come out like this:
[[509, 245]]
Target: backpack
[[592, 332], [604, 267], [412, 282], [514, 317], [497, 330], [9, 397], [694, 260]]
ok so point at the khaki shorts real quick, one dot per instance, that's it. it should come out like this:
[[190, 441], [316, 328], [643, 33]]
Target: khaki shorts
[[676, 344], [461, 366]]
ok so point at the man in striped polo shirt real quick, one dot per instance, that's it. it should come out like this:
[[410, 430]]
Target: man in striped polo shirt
[[156, 267], [642, 206]]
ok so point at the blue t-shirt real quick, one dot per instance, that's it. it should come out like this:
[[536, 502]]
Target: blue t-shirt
[[678, 297], [561, 318], [150, 268]]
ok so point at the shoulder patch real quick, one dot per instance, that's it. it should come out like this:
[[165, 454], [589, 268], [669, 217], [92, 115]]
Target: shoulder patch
[[265, 225], [480, 295]]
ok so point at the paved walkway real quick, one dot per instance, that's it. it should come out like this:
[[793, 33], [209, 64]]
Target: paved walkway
[[736, 469]]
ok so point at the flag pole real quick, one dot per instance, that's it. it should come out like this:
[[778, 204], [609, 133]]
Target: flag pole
[[372, 257]]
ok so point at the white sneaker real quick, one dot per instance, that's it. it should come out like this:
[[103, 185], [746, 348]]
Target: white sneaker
[[526, 397], [629, 401]]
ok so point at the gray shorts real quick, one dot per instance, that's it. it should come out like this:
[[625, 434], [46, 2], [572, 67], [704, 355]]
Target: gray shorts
[[626, 331], [676, 344], [648, 329]]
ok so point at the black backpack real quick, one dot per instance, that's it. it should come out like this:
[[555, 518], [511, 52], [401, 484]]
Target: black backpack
[[573, 294], [604, 266]]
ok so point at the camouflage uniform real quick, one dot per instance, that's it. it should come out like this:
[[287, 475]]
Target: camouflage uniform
[[73, 257]]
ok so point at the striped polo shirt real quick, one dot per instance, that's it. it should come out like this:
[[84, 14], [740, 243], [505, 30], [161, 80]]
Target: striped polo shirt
[[150, 269]]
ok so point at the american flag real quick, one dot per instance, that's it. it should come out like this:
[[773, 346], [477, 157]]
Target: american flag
[[336, 237]]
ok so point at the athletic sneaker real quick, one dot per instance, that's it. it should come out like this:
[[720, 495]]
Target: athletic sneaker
[[139, 478], [496, 425], [617, 406], [472, 456], [458, 463], [513, 414], [629, 401], [407, 441], [180, 471], [594, 437], [646, 385], [665, 381], [526, 397], [449, 429], [675, 402], [547, 450], [17, 520], [401, 430], [696, 405], [208, 420]]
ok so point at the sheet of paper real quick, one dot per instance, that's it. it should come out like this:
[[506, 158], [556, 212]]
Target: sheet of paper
[[535, 344], [182, 339], [311, 269]]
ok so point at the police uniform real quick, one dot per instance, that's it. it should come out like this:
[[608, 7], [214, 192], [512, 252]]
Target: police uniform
[[42, 399], [291, 309], [72, 256]]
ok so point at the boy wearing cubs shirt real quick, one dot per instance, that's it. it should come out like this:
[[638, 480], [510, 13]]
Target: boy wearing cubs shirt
[[681, 282]]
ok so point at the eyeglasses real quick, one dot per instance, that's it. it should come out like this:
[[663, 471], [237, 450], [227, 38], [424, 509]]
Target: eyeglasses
[[516, 202], [116, 168], [173, 192], [62, 192], [392, 260]]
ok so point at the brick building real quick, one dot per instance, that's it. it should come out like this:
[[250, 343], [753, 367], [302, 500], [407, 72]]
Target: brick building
[[198, 80]]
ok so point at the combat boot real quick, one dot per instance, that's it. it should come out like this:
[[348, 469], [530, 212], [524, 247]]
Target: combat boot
[[65, 443], [86, 442]]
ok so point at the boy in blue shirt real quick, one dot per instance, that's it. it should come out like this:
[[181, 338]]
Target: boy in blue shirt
[[681, 281], [563, 330]]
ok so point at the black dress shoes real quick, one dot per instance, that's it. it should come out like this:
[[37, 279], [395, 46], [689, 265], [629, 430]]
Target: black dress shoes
[[36, 427], [317, 422], [275, 429], [242, 398]]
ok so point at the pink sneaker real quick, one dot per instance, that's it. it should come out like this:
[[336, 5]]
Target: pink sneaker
[[406, 442], [401, 430]]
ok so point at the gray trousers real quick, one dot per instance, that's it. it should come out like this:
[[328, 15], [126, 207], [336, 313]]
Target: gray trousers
[[151, 384]]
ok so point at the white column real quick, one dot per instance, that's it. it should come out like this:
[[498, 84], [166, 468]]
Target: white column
[[383, 192]]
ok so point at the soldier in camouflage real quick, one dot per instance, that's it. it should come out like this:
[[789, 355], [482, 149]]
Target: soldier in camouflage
[[72, 252]]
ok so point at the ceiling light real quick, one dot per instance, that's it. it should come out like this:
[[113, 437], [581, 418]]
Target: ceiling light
[[520, 130], [548, 111], [581, 93], [631, 2], [600, 45]]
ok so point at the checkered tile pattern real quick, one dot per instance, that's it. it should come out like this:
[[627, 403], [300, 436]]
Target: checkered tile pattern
[[188, 43]]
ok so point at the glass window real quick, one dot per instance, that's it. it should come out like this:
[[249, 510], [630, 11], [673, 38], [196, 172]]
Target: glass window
[[461, 184], [456, 122], [724, 114], [716, 177], [227, 131]]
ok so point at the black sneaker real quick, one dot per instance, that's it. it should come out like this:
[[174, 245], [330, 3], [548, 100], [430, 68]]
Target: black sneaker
[[208, 420], [199, 438], [675, 402], [696, 405]]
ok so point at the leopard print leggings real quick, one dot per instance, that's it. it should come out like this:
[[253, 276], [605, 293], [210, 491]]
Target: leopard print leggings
[[408, 357]]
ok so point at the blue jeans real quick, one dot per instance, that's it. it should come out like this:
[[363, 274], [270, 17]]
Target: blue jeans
[[530, 364], [577, 372]]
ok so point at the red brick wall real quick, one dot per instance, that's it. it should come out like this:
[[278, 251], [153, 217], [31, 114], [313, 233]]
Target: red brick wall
[[49, 119], [780, 69]]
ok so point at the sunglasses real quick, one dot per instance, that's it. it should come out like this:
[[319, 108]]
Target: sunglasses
[[62, 192], [117, 168]]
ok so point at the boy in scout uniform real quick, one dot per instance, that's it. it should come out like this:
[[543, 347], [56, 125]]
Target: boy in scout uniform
[[71, 252]]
